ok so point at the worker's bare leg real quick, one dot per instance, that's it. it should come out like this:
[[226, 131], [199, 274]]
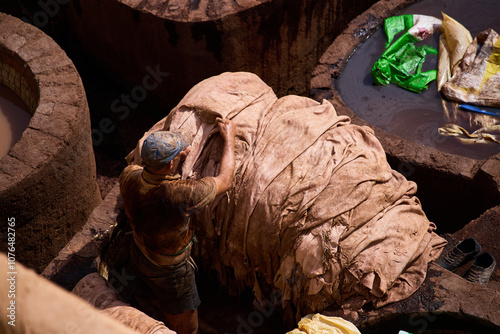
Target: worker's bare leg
[[183, 323]]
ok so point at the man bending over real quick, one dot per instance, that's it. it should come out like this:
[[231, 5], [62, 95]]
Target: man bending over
[[159, 206]]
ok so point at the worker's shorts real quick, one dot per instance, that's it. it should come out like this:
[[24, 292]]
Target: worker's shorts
[[174, 286]]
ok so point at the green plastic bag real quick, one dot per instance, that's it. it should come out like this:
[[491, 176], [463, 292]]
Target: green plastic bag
[[401, 63]]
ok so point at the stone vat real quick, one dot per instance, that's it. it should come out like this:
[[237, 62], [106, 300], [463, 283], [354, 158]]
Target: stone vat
[[454, 189], [48, 181]]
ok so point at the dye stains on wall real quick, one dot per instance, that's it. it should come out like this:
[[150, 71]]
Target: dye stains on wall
[[280, 41]]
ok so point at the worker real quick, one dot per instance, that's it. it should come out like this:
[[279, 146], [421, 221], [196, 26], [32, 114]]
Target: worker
[[160, 205]]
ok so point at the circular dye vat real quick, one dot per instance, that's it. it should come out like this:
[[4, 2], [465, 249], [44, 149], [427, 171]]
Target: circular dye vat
[[47, 177], [14, 119], [409, 115], [456, 183]]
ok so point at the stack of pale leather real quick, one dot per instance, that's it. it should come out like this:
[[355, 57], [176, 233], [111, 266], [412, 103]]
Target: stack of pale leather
[[38, 306], [316, 216]]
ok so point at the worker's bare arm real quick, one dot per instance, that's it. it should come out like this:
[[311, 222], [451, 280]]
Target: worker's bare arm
[[224, 180]]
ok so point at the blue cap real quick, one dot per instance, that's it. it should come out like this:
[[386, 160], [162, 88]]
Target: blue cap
[[161, 147]]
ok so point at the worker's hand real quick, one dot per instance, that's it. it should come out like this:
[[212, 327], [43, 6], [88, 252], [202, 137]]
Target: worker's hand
[[224, 181], [227, 128]]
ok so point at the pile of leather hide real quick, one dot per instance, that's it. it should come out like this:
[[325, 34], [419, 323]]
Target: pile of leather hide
[[316, 215]]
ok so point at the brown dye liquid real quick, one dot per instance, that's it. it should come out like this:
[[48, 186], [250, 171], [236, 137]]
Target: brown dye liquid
[[414, 116], [13, 119]]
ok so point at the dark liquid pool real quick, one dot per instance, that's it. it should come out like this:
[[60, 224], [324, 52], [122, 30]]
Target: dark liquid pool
[[14, 119], [409, 115]]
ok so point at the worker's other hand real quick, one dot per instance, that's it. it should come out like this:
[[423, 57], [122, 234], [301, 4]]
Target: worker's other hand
[[227, 128]]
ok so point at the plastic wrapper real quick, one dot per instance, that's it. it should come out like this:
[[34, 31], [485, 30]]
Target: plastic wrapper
[[469, 72], [478, 82], [453, 43], [402, 61]]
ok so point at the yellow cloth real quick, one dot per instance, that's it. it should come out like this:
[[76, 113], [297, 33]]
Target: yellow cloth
[[453, 43], [320, 324], [466, 76]]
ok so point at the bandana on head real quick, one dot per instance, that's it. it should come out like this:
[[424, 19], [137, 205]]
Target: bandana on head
[[161, 147]]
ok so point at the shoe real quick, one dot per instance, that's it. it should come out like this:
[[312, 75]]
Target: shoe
[[459, 255], [481, 269]]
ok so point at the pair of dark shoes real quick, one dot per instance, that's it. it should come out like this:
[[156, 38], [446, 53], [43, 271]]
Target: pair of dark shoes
[[468, 249]]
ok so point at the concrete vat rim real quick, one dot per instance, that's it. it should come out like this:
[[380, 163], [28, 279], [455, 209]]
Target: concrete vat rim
[[47, 72], [191, 11], [48, 182]]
